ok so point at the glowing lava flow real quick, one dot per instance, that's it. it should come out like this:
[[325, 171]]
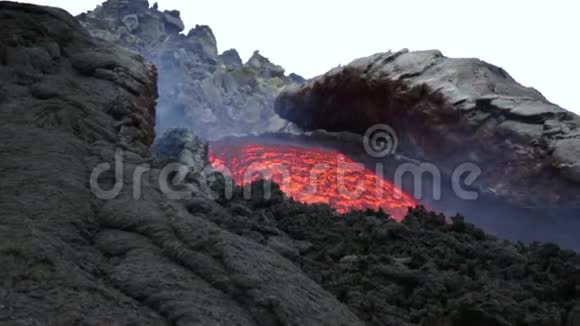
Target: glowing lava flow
[[312, 176]]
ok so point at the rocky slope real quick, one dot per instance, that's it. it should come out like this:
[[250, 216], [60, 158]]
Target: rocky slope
[[449, 112], [68, 103], [424, 271], [85, 240], [215, 94]]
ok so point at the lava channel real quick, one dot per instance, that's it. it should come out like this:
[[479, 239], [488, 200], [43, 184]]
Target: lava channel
[[311, 176]]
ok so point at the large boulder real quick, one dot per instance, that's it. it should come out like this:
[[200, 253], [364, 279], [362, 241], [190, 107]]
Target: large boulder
[[203, 36], [231, 59], [173, 22], [184, 147], [264, 67], [449, 112]]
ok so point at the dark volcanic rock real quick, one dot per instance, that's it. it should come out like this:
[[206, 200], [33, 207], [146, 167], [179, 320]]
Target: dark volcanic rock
[[182, 146], [215, 95], [231, 59], [85, 240], [450, 112], [61, 112], [423, 271], [74, 252]]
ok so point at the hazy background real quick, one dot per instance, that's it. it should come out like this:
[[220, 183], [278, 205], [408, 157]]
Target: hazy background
[[535, 41]]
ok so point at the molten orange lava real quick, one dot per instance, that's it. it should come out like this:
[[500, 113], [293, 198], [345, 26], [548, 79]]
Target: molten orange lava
[[312, 176]]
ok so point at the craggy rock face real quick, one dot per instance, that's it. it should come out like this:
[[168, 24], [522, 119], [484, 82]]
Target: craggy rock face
[[66, 99], [450, 112], [216, 95], [181, 145]]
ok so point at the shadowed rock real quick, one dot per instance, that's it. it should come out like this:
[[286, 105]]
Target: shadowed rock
[[450, 112]]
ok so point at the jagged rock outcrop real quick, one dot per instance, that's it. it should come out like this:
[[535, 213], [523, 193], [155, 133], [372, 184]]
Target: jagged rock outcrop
[[449, 112], [87, 236], [182, 146], [216, 95]]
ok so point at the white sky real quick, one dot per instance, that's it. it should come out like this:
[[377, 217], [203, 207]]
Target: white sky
[[536, 41]]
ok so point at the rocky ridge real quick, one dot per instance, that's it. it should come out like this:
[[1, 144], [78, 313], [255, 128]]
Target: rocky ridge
[[215, 94], [449, 112]]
